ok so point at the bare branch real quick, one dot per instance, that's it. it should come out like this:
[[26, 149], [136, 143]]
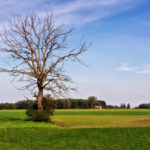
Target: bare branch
[[39, 49]]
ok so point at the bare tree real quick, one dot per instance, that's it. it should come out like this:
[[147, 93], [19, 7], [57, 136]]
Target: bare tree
[[38, 48]]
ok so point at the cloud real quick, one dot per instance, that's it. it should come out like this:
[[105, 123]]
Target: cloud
[[125, 67], [144, 71], [76, 12], [140, 70], [80, 12]]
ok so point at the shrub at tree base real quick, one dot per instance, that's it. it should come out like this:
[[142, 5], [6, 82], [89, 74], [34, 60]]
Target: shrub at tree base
[[48, 104], [42, 116], [38, 115]]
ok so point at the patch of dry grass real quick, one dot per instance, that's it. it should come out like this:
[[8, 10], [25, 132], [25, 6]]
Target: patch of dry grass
[[98, 121]]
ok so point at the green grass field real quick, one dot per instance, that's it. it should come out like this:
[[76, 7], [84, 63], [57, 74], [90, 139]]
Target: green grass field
[[77, 130]]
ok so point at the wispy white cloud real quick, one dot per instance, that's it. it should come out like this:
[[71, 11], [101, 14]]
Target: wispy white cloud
[[144, 71], [137, 69], [77, 12], [80, 12], [126, 67]]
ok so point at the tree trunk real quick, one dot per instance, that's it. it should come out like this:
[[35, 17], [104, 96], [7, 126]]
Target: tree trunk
[[39, 99]]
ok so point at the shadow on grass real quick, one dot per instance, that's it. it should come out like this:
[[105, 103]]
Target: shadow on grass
[[28, 119], [11, 119], [16, 119]]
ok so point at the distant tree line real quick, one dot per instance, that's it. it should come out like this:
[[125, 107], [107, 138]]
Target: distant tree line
[[24, 104], [91, 102], [127, 106], [144, 106], [122, 106]]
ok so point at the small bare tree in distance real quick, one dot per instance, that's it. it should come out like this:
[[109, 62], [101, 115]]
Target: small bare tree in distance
[[38, 48]]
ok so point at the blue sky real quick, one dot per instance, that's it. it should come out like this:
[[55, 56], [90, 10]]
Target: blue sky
[[118, 59]]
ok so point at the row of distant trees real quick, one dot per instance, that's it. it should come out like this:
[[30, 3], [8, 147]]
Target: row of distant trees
[[122, 106], [127, 106], [144, 106], [91, 102]]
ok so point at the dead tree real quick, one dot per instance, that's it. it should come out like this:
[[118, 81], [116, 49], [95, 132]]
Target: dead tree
[[38, 48]]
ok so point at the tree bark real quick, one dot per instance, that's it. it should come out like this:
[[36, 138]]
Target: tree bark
[[39, 99]]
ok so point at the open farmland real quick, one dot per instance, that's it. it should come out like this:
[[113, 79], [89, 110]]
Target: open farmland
[[80, 118], [77, 129]]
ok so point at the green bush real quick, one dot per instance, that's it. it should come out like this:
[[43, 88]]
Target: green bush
[[48, 105], [37, 115], [42, 116]]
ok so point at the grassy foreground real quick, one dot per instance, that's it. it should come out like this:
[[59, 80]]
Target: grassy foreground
[[75, 139], [77, 130]]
